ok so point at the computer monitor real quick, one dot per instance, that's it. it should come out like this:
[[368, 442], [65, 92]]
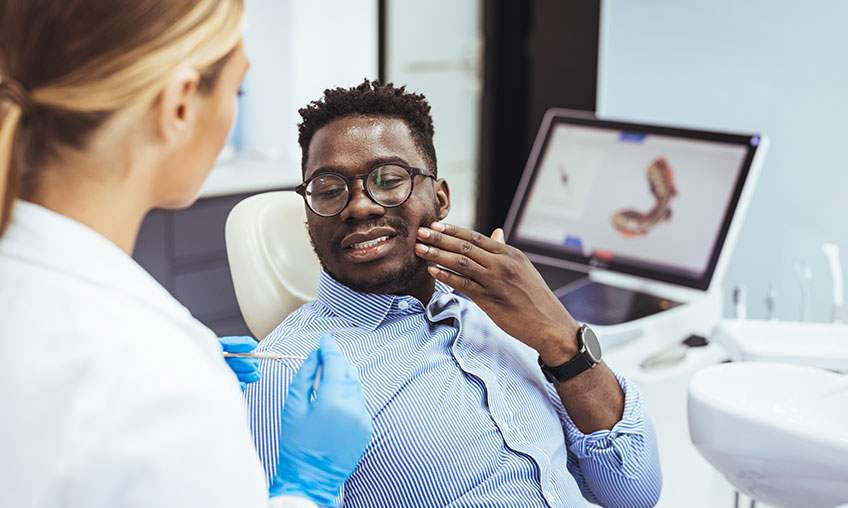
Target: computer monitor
[[656, 202]]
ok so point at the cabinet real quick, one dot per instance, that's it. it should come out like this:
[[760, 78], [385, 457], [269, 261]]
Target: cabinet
[[185, 251]]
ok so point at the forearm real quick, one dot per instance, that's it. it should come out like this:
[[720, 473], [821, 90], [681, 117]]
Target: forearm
[[594, 399], [618, 467]]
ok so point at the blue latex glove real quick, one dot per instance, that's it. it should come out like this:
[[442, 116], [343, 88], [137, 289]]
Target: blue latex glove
[[246, 369], [322, 439]]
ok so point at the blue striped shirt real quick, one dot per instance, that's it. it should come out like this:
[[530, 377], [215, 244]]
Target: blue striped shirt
[[462, 414]]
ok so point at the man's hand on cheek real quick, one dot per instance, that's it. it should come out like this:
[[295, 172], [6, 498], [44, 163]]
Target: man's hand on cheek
[[502, 281]]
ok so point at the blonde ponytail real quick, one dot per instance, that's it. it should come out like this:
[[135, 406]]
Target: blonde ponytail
[[97, 61], [11, 118]]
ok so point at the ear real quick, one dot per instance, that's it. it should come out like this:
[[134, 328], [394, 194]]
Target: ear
[[174, 110], [442, 197]]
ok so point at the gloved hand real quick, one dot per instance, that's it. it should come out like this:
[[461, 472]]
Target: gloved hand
[[322, 440], [246, 369]]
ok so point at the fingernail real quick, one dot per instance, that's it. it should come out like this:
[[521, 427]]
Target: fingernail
[[423, 233], [421, 248], [433, 270], [438, 226]]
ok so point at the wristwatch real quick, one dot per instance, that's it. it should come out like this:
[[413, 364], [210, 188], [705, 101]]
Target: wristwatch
[[588, 357]]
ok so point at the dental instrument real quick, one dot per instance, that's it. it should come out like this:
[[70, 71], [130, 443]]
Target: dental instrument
[[832, 252], [771, 302], [804, 275], [268, 355], [263, 355], [740, 306]]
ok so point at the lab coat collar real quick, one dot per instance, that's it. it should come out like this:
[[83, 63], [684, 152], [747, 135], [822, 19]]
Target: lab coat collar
[[56, 242]]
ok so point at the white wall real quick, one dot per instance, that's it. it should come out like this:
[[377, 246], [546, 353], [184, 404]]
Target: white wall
[[298, 48], [777, 67], [434, 48]]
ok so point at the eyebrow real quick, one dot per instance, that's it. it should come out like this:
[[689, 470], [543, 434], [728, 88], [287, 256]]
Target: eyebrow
[[373, 163]]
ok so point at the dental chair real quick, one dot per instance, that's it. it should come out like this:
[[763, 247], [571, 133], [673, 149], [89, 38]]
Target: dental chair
[[273, 266]]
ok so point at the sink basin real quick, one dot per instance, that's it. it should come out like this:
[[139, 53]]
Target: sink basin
[[778, 432], [821, 345]]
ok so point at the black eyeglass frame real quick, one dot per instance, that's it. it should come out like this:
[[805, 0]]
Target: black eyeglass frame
[[348, 180]]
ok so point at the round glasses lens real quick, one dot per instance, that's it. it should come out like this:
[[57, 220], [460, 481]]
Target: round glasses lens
[[389, 185], [327, 195]]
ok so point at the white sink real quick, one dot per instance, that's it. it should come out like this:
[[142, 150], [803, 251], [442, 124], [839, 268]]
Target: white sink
[[821, 345], [778, 432]]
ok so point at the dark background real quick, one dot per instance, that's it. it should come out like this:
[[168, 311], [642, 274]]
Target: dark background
[[539, 54]]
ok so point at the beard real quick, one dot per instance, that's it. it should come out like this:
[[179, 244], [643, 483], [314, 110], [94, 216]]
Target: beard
[[412, 273]]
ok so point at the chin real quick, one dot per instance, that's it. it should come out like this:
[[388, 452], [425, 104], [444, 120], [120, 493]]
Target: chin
[[179, 201], [389, 281]]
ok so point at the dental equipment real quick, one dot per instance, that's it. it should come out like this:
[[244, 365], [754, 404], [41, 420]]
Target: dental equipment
[[740, 307], [771, 302], [804, 276], [263, 355], [832, 252], [267, 355]]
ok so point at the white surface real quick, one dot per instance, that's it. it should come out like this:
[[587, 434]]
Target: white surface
[[688, 480], [273, 266], [434, 48], [776, 431], [299, 48], [249, 175], [268, 88], [93, 413], [822, 345], [759, 65]]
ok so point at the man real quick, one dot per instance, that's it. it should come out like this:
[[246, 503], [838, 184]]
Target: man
[[463, 415]]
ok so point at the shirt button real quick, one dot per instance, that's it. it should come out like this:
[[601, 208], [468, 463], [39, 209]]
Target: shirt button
[[403, 305]]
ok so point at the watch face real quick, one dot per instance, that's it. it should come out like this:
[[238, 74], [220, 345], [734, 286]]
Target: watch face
[[593, 346]]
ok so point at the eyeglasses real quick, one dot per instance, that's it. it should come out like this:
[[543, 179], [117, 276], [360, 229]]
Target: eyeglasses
[[388, 185]]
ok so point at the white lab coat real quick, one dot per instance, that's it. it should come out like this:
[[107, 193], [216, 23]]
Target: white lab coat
[[111, 394]]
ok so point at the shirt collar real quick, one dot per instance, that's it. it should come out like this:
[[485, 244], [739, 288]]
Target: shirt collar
[[367, 310]]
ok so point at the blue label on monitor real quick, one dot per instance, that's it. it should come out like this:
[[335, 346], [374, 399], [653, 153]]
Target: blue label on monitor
[[632, 137], [573, 241]]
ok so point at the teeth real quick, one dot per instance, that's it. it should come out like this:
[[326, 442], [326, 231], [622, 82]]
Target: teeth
[[369, 243]]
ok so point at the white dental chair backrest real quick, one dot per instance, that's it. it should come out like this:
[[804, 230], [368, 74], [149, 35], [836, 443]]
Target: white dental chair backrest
[[272, 263]]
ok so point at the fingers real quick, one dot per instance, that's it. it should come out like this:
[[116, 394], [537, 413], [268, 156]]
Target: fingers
[[458, 263], [300, 389], [462, 284], [243, 365], [336, 366], [498, 235], [478, 240], [238, 343]]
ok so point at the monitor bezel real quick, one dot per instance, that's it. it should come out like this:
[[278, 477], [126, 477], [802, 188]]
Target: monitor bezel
[[555, 117]]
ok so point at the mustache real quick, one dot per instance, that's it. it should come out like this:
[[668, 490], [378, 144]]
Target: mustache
[[400, 226]]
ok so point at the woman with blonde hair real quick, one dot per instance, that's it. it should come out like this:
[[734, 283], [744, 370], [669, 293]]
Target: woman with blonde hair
[[111, 394]]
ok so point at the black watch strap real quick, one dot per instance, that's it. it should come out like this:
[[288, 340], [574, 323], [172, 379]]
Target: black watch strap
[[580, 363]]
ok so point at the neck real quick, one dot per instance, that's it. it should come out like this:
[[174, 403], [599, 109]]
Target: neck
[[95, 192], [422, 289]]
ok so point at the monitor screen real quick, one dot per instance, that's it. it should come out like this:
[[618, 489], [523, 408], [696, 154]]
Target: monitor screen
[[646, 200]]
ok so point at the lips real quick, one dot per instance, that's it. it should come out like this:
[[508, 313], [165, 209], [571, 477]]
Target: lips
[[366, 239], [369, 243]]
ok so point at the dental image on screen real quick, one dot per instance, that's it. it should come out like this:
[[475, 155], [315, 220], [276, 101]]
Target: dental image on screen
[[645, 199]]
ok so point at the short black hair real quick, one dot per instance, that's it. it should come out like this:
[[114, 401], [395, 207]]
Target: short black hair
[[370, 98]]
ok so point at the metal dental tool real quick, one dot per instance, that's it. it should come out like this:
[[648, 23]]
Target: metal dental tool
[[740, 307], [804, 276], [771, 301], [832, 252], [263, 355]]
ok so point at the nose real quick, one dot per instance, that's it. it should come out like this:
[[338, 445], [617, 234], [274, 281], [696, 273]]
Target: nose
[[361, 206]]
